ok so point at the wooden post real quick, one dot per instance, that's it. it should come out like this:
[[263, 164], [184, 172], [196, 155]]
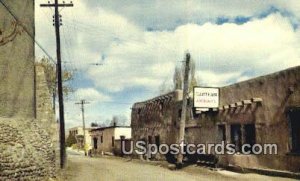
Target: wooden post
[[57, 24], [184, 107]]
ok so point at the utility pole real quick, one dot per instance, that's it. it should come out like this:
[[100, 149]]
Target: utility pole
[[82, 103], [184, 105], [57, 24]]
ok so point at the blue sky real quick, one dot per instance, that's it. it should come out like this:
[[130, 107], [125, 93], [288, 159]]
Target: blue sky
[[139, 44]]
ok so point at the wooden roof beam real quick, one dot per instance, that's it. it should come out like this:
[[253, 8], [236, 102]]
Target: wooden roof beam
[[246, 102], [256, 99], [239, 104]]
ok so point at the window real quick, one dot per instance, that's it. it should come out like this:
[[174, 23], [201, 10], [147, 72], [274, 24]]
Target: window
[[101, 138], [157, 140], [95, 141], [294, 125], [236, 136], [112, 141], [221, 133], [243, 134]]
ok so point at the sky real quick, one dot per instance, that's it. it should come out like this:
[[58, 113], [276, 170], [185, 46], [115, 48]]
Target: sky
[[139, 43]]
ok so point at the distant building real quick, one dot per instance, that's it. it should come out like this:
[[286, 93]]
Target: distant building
[[262, 110], [77, 132], [108, 139]]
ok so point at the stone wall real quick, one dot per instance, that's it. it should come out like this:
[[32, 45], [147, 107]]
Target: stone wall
[[28, 147], [26, 150], [17, 60]]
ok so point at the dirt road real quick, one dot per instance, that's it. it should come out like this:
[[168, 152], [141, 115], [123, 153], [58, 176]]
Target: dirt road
[[82, 168]]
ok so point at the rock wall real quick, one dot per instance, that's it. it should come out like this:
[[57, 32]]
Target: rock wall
[[28, 147], [26, 152]]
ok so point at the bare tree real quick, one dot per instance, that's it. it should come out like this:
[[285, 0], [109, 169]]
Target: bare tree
[[193, 81], [119, 120], [177, 78], [165, 87]]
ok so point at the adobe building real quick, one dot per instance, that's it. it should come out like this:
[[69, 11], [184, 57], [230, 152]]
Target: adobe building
[[108, 139], [156, 121], [262, 110]]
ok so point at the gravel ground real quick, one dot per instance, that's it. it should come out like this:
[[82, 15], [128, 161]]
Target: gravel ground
[[82, 168]]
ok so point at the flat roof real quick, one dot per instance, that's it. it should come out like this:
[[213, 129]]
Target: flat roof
[[109, 127]]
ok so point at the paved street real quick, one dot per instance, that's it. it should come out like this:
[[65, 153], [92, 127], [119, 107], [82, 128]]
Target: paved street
[[113, 168]]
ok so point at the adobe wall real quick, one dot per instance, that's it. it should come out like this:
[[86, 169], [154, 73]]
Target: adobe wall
[[107, 134], [279, 92], [156, 117], [17, 60]]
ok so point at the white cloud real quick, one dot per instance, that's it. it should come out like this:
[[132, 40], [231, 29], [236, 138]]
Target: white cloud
[[90, 94], [208, 78], [169, 14], [260, 46], [133, 57]]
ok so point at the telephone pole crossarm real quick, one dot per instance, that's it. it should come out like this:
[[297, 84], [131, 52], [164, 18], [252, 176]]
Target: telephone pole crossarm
[[54, 5]]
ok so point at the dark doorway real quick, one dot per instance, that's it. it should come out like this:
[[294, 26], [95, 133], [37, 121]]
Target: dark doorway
[[157, 140], [149, 139], [221, 133], [95, 141], [250, 135], [112, 141], [294, 124]]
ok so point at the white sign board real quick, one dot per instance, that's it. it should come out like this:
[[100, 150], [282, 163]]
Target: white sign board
[[206, 97]]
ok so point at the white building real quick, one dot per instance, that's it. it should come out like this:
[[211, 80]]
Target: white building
[[78, 133], [107, 139]]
